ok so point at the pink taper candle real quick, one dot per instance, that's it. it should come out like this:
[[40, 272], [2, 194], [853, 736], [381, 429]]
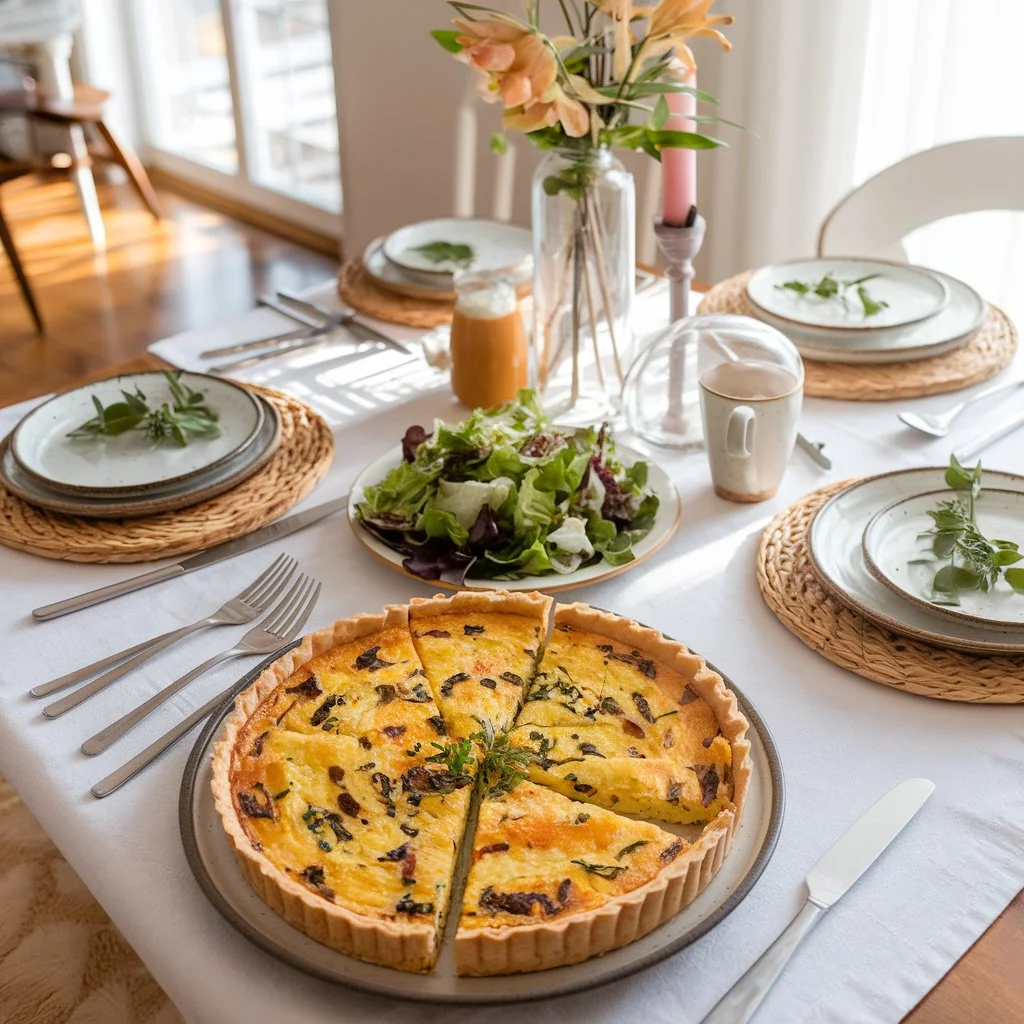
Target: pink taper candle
[[679, 166]]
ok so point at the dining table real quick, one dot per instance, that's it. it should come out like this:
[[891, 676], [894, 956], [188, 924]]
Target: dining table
[[933, 932]]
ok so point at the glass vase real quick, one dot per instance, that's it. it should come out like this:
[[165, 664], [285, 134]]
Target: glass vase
[[584, 254]]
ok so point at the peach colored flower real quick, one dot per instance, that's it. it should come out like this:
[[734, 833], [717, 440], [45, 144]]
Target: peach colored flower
[[520, 70], [672, 22]]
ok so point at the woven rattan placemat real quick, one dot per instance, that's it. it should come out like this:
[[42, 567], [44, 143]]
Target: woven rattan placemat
[[301, 461], [985, 354], [359, 290], [793, 592]]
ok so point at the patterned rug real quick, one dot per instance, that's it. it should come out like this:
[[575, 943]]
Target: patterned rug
[[62, 961]]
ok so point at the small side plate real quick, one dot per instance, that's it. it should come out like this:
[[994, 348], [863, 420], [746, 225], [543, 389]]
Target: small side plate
[[893, 546], [213, 863]]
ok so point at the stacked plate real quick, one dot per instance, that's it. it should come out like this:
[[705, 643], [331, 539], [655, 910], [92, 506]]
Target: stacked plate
[[115, 477], [420, 261], [903, 313], [871, 547]]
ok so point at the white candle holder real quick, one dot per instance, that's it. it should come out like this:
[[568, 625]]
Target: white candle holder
[[681, 427]]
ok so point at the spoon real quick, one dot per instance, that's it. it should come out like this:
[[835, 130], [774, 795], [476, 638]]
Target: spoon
[[938, 425]]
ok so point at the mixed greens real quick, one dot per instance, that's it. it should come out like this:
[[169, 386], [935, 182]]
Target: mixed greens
[[504, 494]]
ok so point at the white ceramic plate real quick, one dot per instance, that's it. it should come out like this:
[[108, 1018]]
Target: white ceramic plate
[[665, 524], [894, 546], [393, 278], [837, 555], [495, 246], [130, 463], [198, 487], [912, 294], [948, 330], [213, 862]]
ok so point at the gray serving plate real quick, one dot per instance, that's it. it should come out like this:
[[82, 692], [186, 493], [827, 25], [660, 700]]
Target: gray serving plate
[[212, 860]]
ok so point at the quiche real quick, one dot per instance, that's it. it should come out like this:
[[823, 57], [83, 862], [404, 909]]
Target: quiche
[[480, 652], [348, 771]]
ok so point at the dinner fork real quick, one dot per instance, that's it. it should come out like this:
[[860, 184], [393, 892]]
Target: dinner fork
[[243, 608], [276, 628], [118, 778]]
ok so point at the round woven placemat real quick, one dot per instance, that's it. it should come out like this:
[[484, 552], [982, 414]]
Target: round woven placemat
[[301, 461], [359, 290], [989, 351], [793, 592]]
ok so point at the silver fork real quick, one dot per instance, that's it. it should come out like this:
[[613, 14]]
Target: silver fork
[[116, 779], [268, 636], [243, 608]]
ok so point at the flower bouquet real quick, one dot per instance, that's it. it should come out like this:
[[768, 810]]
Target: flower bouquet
[[602, 85]]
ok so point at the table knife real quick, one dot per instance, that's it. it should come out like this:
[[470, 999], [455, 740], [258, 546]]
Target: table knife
[[348, 318], [814, 449], [275, 340], [211, 556], [827, 881]]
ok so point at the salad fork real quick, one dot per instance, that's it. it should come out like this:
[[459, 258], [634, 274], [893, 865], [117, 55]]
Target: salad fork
[[938, 425], [278, 627], [242, 608], [289, 630]]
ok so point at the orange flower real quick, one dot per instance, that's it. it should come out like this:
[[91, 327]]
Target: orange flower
[[520, 71], [672, 22]]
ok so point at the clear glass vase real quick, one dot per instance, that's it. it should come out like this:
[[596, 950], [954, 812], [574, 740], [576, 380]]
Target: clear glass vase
[[584, 254]]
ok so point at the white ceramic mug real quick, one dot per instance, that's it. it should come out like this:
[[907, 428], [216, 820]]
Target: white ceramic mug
[[751, 413]]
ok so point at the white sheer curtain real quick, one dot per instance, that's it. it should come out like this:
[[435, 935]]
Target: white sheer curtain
[[938, 71]]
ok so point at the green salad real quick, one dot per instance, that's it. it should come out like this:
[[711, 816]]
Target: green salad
[[504, 494]]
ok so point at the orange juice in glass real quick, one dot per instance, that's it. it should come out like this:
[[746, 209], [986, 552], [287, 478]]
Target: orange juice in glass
[[489, 353]]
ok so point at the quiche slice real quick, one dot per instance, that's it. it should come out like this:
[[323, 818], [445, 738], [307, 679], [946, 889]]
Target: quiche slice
[[480, 652], [349, 832], [554, 882], [620, 716]]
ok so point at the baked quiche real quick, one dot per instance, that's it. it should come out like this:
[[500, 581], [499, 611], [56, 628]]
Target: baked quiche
[[554, 881], [619, 715], [480, 652], [339, 821], [347, 772]]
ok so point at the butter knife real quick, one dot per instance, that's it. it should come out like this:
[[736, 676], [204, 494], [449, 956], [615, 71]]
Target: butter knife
[[827, 881], [292, 305], [815, 450], [211, 556]]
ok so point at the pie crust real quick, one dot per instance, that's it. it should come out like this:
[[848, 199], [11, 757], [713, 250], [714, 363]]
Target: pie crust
[[410, 945]]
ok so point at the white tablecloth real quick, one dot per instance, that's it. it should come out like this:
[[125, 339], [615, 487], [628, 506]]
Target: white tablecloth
[[844, 741]]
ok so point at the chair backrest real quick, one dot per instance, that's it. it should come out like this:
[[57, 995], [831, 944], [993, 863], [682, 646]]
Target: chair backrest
[[959, 177]]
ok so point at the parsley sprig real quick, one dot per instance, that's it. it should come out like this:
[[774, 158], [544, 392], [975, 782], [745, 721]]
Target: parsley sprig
[[832, 290], [186, 414], [501, 765], [974, 562]]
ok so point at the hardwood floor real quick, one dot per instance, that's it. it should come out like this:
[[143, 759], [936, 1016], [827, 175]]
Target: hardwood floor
[[193, 268]]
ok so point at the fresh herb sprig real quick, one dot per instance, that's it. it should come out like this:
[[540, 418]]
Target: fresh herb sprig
[[832, 290], [601, 870], [186, 414], [457, 757], [974, 562], [458, 253], [503, 766]]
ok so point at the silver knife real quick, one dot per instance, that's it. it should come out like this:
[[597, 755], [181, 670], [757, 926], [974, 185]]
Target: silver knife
[[274, 531], [827, 881], [348, 318], [261, 343], [815, 450], [312, 339]]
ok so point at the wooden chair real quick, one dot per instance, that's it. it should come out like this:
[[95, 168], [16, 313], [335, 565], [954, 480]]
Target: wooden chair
[[9, 170], [960, 177], [87, 110]]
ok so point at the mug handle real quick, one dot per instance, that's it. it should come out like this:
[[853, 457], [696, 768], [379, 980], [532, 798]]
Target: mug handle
[[739, 432]]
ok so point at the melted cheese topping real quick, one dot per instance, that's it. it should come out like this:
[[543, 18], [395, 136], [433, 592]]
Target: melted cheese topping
[[613, 727], [479, 665], [539, 856]]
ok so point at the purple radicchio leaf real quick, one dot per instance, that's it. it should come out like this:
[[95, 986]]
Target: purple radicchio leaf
[[389, 522], [414, 437], [439, 562], [486, 532]]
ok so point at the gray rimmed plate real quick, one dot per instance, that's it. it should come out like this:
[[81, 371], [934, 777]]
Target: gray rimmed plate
[[837, 557], [898, 552], [130, 465], [199, 487], [212, 860]]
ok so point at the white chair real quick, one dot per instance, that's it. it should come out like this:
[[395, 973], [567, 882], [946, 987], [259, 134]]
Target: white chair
[[960, 177]]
